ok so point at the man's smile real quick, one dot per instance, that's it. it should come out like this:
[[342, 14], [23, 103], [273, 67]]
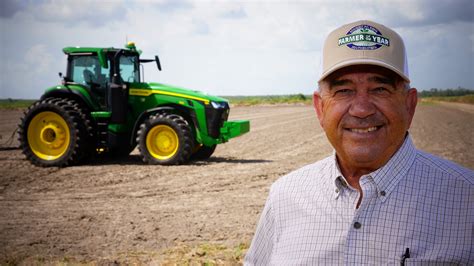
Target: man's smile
[[363, 130], [367, 125]]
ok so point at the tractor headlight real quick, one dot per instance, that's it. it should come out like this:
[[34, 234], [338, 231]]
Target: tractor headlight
[[219, 105]]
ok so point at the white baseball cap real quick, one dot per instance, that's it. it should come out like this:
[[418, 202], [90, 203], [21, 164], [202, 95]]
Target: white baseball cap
[[364, 43]]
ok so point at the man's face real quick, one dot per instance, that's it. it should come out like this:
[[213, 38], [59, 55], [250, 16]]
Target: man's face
[[365, 112]]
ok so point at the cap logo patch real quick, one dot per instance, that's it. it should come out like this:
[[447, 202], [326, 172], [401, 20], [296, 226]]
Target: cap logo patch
[[364, 37]]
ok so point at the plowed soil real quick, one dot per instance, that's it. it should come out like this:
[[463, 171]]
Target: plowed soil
[[112, 211]]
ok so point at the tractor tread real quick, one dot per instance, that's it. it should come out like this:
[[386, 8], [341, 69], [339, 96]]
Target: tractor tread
[[183, 130], [77, 122]]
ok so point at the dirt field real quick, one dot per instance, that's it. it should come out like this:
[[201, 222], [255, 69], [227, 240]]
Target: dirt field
[[112, 212]]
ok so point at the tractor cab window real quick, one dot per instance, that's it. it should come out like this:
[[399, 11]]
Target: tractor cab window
[[129, 70], [86, 70]]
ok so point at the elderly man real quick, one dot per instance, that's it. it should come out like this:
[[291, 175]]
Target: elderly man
[[377, 200]]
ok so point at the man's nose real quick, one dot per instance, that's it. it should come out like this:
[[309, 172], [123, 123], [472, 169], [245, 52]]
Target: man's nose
[[362, 106]]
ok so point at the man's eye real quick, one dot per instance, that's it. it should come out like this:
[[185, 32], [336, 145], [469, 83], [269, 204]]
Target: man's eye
[[343, 92], [381, 90]]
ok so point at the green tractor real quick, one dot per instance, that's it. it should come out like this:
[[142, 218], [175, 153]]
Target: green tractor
[[103, 106]]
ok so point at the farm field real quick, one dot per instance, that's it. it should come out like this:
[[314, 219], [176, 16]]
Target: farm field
[[123, 211]]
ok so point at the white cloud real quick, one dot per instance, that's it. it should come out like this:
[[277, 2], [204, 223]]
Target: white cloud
[[25, 74], [75, 12], [38, 60]]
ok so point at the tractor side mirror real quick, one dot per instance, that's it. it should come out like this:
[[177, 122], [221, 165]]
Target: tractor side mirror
[[63, 80], [158, 62]]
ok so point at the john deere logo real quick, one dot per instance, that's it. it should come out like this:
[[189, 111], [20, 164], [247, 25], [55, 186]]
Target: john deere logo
[[364, 37]]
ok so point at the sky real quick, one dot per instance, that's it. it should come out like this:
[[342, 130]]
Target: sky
[[228, 47]]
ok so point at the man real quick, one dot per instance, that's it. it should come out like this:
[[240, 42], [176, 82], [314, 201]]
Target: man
[[377, 200]]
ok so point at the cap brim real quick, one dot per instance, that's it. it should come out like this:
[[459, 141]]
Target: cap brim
[[362, 61]]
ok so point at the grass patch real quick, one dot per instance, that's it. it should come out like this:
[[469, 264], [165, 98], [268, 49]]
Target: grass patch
[[42, 260], [15, 104], [469, 99], [205, 254], [427, 102], [269, 99], [181, 254]]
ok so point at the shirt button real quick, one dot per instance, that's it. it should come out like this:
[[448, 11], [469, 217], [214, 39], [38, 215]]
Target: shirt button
[[382, 193], [357, 225]]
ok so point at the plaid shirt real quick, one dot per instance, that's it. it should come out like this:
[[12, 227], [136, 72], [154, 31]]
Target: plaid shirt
[[416, 201]]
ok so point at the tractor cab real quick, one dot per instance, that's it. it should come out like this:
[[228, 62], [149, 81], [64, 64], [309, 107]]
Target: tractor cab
[[107, 74]]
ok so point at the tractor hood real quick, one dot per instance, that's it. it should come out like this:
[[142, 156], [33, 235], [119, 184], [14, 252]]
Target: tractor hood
[[185, 93]]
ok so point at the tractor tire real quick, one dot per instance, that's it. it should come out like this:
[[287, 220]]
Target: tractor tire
[[55, 132], [165, 139], [203, 152]]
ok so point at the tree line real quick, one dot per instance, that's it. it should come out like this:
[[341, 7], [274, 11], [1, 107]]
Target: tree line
[[435, 92]]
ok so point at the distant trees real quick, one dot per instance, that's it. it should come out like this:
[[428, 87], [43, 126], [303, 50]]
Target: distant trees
[[434, 92]]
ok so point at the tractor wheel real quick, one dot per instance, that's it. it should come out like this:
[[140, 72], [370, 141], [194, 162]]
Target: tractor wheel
[[165, 139], [203, 152], [54, 132]]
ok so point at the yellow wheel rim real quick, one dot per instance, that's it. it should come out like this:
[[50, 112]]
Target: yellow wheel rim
[[48, 136], [162, 142]]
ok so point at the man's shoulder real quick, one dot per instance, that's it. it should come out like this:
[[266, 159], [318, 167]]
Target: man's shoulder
[[311, 174], [430, 164]]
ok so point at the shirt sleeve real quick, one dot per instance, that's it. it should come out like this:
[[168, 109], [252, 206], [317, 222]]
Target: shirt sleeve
[[260, 251]]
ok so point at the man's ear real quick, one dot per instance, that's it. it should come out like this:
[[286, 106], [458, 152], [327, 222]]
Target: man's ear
[[411, 102], [318, 106]]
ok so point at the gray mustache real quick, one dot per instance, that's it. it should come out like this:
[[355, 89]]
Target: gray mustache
[[370, 121]]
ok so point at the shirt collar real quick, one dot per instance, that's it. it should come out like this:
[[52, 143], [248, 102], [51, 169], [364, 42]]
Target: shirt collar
[[336, 175], [387, 177]]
